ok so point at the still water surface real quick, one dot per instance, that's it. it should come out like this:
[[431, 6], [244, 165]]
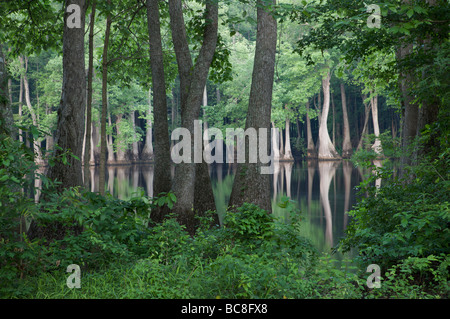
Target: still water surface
[[323, 191]]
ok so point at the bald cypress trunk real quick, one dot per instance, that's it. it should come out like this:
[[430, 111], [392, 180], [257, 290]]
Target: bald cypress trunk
[[346, 143], [310, 148], [325, 146]]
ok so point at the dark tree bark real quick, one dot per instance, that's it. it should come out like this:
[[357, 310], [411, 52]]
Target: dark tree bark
[[250, 185], [6, 115], [70, 127], [162, 178], [192, 184], [102, 169], [87, 146], [411, 110]]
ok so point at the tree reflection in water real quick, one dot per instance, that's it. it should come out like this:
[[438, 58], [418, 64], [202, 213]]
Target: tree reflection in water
[[323, 191]]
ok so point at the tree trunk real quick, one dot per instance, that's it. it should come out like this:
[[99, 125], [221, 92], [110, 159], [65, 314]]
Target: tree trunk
[[377, 145], [102, 169], [21, 137], [87, 146], [287, 145], [70, 127], [250, 185], [162, 179], [135, 146], [6, 114], [346, 143], [367, 109], [36, 144], [109, 144], [147, 151], [94, 140], [189, 176], [310, 149], [70, 130], [326, 149], [49, 138], [275, 144], [411, 111]]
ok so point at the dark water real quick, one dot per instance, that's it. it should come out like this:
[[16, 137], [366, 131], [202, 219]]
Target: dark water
[[323, 191]]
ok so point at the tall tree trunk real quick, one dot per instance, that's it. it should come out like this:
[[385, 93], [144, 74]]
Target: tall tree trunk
[[49, 141], [36, 144], [275, 144], [87, 146], [162, 179], [102, 169], [191, 176], [325, 147], [70, 130], [135, 146], [287, 145], [21, 137], [94, 140], [70, 127], [249, 184], [377, 145], [310, 148], [346, 143], [411, 111], [367, 108], [6, 114], [109, 143], [147, 151], [333, 131]]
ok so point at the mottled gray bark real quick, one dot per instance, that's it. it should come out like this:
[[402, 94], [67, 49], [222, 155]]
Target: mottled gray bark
[[162, 178], [192, 184], [250, 185], [70, 127]]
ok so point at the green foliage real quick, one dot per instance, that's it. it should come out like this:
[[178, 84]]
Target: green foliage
[[416, 278]]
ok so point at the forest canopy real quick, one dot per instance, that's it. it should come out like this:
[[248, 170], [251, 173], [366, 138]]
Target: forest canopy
[[95, 84]]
